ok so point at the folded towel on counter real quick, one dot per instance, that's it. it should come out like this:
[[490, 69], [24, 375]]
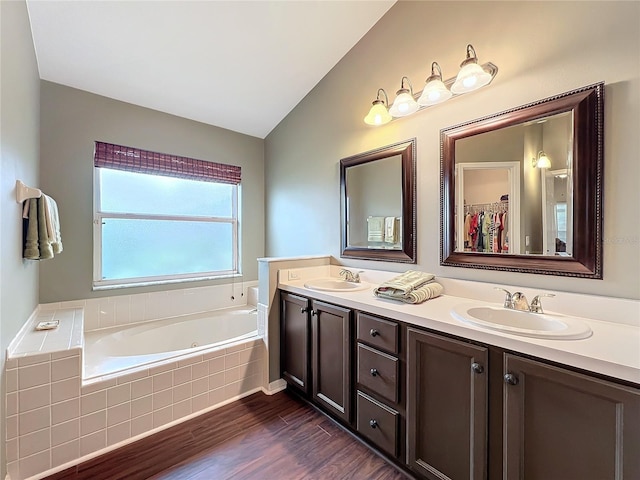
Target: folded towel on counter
[[410, 287], [390, 230], [375, 229]]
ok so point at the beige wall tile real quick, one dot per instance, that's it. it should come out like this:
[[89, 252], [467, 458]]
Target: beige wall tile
[[65, 389], [34, 398], [12, 404], [182, 375], [162, 381], [12, 427], [34, 442], [93, 402], [118, 433], [34, 375], [65, 411], [118, 414], [216, 365], [98, 386], [12, 450], [93, 442], [34, 420], [119, 394], [65, 368], [141, 406], [216, 380], [93, 422], [65, 453], [141, 388], [131, 377], [162, 399], [33, 359], [162, 416], [231, 360], [200, 402], [182, 409], [200, 370], [34, 464], [215, 354], [12, 380], [65, 432], [181, 392], [199, 386], [141, 424]]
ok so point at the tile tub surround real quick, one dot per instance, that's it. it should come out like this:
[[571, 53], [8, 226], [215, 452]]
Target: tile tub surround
[[54, 421], [142, 307]]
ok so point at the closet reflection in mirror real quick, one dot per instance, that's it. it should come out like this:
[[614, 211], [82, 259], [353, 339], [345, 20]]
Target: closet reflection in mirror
[[504, 201]]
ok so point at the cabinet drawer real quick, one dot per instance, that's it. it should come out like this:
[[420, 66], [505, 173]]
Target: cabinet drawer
[[378, 333], [378, 372], [378, 423]]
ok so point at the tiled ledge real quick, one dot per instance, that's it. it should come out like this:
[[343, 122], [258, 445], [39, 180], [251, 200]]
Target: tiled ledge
[[32, 346]]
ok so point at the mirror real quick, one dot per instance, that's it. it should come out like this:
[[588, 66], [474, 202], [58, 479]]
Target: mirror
[[522, 189], [378, 210]]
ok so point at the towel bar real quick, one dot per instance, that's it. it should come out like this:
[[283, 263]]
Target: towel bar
[[23, 192]]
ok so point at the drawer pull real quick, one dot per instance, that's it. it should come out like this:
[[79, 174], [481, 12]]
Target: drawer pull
[[373, 423], [314, 313], [374, 372], [373, 332], [304, 310]]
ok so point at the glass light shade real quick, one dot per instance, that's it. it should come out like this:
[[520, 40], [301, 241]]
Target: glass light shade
[[378, 115], [404, 104], [543, 161], [434, 92], [470, 78]]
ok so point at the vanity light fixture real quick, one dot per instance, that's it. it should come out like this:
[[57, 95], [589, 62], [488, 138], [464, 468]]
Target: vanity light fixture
[[471, 75], [379, 113], [404, 104], [542, 161], [435, 90]]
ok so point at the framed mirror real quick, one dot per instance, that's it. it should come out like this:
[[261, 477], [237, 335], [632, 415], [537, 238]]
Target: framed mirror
[[521, 190], [378, 204]]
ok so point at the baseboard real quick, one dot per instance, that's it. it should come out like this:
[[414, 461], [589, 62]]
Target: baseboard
[[275, 387]]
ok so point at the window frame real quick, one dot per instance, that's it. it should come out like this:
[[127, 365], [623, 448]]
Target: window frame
[[98, 216]]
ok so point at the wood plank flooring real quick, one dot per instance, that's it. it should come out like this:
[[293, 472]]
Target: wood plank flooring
[[257, 438]]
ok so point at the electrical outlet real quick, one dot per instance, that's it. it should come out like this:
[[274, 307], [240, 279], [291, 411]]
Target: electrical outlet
[[294, 275]]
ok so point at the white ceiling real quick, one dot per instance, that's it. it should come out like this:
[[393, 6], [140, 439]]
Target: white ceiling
[[235, 64]]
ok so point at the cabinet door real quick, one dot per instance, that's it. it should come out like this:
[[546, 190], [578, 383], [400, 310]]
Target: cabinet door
[[447, 407], [294, 347], [331, 358], [563, 425]]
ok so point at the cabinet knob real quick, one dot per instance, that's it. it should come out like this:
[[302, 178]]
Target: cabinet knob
[[373, 332], [374, 372], [373, 423], [314, 313], [511, 379], [477, 368], [304, 310]]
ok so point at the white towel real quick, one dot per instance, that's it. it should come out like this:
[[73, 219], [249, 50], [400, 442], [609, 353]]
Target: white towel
[[375, 229], [390, 230], [53, 223]]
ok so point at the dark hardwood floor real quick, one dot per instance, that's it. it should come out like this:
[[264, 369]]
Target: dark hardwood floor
[[258, 437]]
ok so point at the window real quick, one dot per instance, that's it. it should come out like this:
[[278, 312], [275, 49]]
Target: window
[[161, 218]]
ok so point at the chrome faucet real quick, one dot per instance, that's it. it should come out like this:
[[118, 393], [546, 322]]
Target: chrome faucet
[[349, 276], [518, 301]]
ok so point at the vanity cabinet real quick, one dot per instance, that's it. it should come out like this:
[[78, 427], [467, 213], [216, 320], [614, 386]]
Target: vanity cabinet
[[331, 358], [449, 408], [315, 352], [446, 407], [294, 339], [562, 424]]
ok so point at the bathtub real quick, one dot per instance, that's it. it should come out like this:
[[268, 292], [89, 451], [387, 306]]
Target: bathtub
[[124, 349]]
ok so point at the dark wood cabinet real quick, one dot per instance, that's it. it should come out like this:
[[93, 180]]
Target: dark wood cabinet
[[559, 424], [331, 358], [294, 332], [446, 407]]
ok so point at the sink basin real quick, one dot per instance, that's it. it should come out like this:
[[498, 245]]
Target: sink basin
[[335, 285], [539, 325]]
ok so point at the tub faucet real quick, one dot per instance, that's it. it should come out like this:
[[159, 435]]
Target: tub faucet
[[349, 276]]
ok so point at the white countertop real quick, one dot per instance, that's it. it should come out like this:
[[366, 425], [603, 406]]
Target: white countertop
[[612, 350]]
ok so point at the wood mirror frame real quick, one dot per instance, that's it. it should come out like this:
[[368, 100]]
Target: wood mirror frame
[[407, 253], [587, 105]]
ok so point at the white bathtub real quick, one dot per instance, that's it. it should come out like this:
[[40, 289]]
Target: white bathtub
[[121, 349]]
